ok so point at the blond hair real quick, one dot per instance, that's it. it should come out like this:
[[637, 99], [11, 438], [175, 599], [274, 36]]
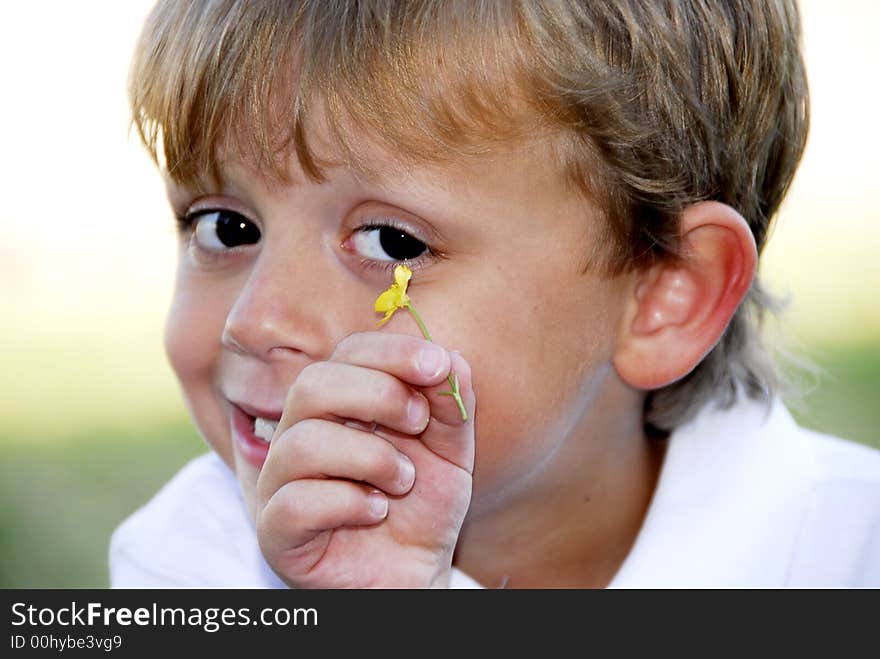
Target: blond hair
[[650, 106]]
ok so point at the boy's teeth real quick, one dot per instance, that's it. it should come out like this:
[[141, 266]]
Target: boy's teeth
[[264, 428]]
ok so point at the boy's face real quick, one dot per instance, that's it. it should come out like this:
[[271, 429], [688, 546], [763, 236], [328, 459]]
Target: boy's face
[[272, 278]]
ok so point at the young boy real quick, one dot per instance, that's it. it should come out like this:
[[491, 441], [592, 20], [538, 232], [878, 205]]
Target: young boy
[[581, 190]]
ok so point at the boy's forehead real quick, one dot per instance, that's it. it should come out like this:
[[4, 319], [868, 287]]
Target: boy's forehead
[[367, 157]]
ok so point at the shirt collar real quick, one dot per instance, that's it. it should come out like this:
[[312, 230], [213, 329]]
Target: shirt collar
[[730, 498]]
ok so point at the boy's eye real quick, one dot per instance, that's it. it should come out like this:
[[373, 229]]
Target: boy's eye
[[387, 243], [219, 230]]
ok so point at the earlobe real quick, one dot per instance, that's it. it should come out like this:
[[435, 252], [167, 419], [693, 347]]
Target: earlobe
[[680, 308]]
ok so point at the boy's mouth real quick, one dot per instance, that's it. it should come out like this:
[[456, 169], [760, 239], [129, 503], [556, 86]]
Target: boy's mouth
[[252, 431], [264, 428]]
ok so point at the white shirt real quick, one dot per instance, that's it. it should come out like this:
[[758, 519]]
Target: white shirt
[[745, 498]]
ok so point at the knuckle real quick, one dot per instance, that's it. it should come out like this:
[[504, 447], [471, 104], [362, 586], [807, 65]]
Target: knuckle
[[379, 348], [391, 394], [392, 348], [309, 384], [282, 508], [291, 508], [299, 441], [380, 462], [345, 346], [402, 348], [387, 467]]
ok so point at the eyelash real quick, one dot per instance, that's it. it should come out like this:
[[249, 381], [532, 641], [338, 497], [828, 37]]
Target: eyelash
[[388, 266], [186, 222], [429, 255]]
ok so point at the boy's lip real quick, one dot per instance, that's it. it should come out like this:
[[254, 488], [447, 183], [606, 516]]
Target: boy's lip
[[251, 410], [250, 447]]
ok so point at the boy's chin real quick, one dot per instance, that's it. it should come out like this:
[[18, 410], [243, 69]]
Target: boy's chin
[[247, 476]]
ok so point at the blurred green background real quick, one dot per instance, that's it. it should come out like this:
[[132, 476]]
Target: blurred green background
[[92, 421]]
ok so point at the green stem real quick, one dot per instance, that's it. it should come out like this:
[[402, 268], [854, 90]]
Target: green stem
[[415, 314], [451, 379]]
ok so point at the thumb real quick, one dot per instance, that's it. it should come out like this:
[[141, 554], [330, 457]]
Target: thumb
[[447, 434]]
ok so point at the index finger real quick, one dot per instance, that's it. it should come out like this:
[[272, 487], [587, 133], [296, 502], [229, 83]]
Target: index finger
[[411, 359]]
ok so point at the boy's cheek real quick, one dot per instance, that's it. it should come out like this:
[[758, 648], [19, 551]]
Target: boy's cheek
[[186, 361], [194, 328], [193, 349], [532, 389]]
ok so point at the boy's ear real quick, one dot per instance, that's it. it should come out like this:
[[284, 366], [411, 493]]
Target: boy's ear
[[679, 309]]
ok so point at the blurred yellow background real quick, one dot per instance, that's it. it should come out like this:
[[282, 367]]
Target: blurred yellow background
[[92, 420]]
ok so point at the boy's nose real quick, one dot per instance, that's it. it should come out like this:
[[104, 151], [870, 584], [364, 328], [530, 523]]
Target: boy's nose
[[279, 312]]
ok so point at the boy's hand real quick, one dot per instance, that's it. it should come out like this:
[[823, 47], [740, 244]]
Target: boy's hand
[[322, 493]]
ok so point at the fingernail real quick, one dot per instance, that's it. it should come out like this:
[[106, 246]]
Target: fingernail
[[406, 471], [431, 361], [417, 412], [377, 504]]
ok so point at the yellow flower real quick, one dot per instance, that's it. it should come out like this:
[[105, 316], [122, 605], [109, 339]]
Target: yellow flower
[[394, 297]]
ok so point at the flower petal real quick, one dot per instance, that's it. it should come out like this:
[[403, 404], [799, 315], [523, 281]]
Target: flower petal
[[387, 301], [394, 297], [387, 317], [402, 275]]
